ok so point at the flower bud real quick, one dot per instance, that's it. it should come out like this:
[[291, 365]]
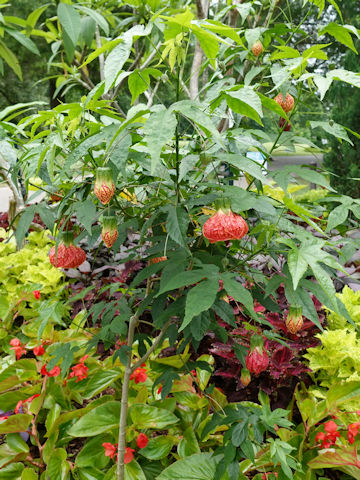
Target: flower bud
[[294, 320], [245, 377], [257, 360], [104, 187], [109, 232], [257, 48]]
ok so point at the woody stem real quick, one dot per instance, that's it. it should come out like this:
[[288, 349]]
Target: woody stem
[[120, 470]]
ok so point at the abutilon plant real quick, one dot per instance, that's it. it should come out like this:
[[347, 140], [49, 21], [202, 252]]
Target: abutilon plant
[[109, 232], [224, 225], [104, 187], [66, 254]]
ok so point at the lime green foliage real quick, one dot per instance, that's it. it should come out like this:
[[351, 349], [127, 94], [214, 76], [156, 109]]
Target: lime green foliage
[[312, 196], [351, 300], [337, 358], [26, 270]]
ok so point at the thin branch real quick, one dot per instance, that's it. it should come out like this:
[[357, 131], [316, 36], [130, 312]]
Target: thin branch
[[101, 56]]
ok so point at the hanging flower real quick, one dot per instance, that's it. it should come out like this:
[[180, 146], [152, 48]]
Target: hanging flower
[[109, 232], [288, 104], [139, 375], [67, 255], [257, 360], [142, 440], [294, 320], [245, 377], [224, 225], [104, 187]]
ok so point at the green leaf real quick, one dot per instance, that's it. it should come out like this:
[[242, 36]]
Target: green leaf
[[188, 444], [29, 474], [270, 104], [158, 447], [245, 101], [239, 293], [334, 129], [145, 416], [99, 420], [345, 76], [297, 265], [159, 130], [339, 32], [58, 467], [71, 23], [99, 381], [189, 277], [177, 223], [244, 164], [96, 16], [10, 59], [12, 471], [24, 40], [16, 443], [16, 423], [139, 81], [200, 299], [200, 466], [209, 43], [337, 216], [86, 213], [92, 454], [133, 471]]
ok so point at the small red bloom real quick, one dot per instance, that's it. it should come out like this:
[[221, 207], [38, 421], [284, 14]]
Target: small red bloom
[[330, 427], [79, 371], [329, 438], [28, 400], [18, 348], [84, 358], [110, 449], [139, 375], [129, 455], [353, 430], [54, 372], [142, 440], [37, 294], [39, 350], [266, 475], [18, 406], [159, 389]]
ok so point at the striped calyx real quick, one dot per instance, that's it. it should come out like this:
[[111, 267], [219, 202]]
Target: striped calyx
[[104, 187]]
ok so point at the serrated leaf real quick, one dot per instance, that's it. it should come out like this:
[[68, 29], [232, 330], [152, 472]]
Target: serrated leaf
[[337, 216], [297, 266], [200, 299], [245, 101], [239, 293], [334, 129], [177, 223]]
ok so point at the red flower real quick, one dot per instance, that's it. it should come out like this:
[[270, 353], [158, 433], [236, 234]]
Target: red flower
[[37, 294], [84, 358], [28, 400], [38, 351], [79, 371], [353, 430], [139, 375], [266, 475], [104, 187], [67, 256], [18, 348], [110, 449], [109, 232], [257, 360], [142, 440], [129, 455], [224, 225], [329, 438], [54, 372]]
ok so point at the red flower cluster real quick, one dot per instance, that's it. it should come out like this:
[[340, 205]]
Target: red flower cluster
[[329, 438], [18, 348], [54, 372], [142, 440], [80, 370], [139, 375], [37, 294], [39, 350], [111, 451], [28, 400], [353, 430]]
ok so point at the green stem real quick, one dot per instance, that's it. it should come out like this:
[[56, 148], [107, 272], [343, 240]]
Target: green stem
[[177, 138]]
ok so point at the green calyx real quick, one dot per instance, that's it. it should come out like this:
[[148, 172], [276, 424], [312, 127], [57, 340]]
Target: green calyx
[[295, 311], [257, 341], [109, 222], [104, 175], [223, 204], [67, 238]]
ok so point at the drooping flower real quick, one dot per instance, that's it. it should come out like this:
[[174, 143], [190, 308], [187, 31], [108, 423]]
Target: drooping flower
[[109, 232], [139, 375], [294, 320], [257, 360], [110, 449], [67, 256], [54, 372], [157, 260], [224, 225], [104, 187], [39, 350], [18, 347], [142, 440], [288, 104], [37, 294], [129, 455]]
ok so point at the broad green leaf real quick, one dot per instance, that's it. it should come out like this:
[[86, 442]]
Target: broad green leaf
[[200, 466], [337, 216], [104, 48], [184, 279], [244, 164], [16, 423], [285, 52], [188, 444], [334, 129], [99, 381], [58, 467], [339, 394], [96, 16], [86, 213], [158, 447], [133, 471], [346, 76], [24, 40], [297, 266], [323, 84], [145, 416], [29, 474], [92, 453], [270, 104], [99, 420], [71, 23], [159, 130], [200, 299], [16, 443], [12, 471], [245, 101], [177, 223], [139, 81], [339, 32], [10, 59], [209, 43], [238, 292]]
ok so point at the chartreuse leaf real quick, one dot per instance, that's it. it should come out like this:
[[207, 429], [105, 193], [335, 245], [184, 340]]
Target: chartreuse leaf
[[208, 41], [188, 444], [159, 130], [99, 420], [145, 416], [200, 299], [200, 466], [29, 474], [139, 81], [10, 59]]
